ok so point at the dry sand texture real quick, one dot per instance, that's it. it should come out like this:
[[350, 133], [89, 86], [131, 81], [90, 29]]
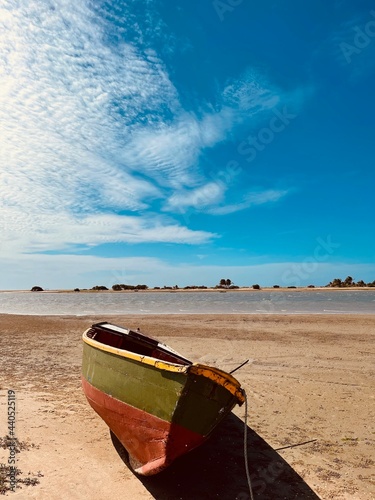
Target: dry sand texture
[[310, 382]]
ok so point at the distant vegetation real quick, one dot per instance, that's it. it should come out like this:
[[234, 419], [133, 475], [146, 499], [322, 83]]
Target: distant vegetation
[[118, 287], [349, 282], [224, 283]]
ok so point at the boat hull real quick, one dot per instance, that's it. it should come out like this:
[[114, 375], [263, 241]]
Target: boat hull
[[158, 411], [152, 443]]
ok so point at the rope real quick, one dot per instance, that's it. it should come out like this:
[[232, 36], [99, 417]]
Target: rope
[[245, 451], [241, 365]]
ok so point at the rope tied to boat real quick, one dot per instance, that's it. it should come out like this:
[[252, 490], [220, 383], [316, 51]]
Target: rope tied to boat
[[240, 366], [245, 451]]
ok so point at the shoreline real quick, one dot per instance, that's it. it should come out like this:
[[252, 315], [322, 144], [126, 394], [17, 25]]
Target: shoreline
[[192, 314], [206, 290], [310, 419]]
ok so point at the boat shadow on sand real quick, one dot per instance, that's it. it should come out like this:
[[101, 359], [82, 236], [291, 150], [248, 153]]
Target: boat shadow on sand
[[216, 470]]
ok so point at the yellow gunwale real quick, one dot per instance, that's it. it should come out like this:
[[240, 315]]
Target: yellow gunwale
[[147, 360], [221, 378], [218, 376]]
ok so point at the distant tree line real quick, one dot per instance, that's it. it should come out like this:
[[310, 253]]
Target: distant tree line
[[349, 282], [224, 283], [122, 286]]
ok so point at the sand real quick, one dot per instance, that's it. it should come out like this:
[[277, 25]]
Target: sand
[[310, 385]]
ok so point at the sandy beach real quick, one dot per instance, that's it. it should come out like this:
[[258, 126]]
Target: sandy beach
[[310, 385]]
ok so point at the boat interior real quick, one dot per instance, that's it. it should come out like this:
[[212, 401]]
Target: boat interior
[[136, 342]]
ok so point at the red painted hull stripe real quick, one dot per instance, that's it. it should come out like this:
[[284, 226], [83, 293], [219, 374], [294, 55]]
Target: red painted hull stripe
[[152, 443]]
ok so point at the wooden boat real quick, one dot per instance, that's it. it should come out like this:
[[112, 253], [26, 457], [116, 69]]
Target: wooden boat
[[157, 403]]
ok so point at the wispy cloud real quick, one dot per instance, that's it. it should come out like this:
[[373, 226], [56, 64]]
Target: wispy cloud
[[93, 132], [250, 93], [40, 232], [251, 199], [210, 199], [200, 198]]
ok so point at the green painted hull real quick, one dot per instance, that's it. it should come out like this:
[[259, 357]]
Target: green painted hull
[[190, 400], [134, 383]]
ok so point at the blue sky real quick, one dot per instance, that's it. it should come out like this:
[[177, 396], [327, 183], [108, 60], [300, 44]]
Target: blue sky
[[181, 142]]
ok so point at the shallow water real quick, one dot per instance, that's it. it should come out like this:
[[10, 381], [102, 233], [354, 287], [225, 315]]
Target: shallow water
[[262, 302]]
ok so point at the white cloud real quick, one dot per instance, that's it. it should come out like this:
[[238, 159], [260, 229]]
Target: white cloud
[[37, 232], [88, 129], [249, 200], [250, 93], [199, 198]]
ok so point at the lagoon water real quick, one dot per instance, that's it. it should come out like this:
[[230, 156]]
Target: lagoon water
[[169, 302]]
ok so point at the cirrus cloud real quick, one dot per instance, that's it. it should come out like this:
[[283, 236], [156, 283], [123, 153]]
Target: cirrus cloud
[[93, 134]]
